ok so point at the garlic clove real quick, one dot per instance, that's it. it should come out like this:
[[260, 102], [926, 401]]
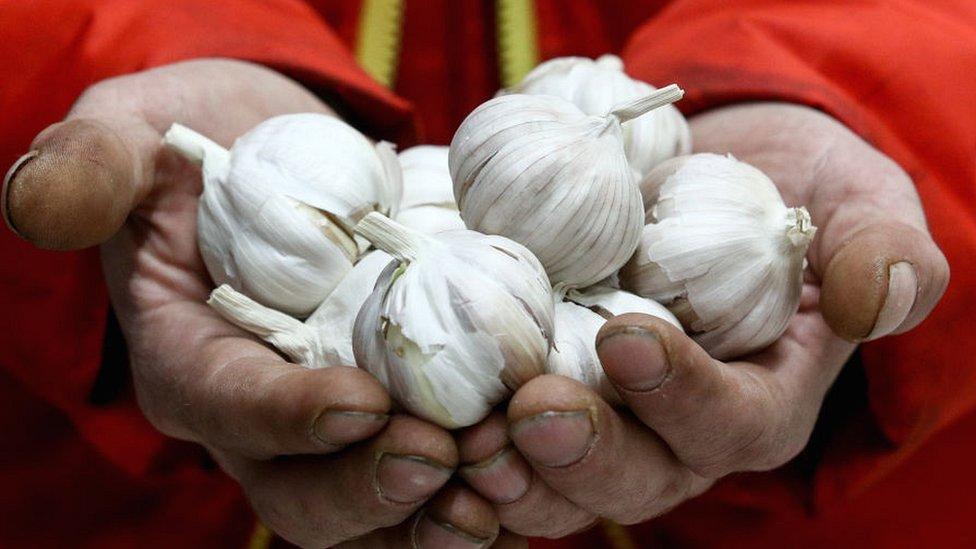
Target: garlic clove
[[461, 321], [428, 193], [577, 322], [725, 254], [538, 170], [596, 86]]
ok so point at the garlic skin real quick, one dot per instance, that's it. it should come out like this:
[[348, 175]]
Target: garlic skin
[[325, 338], [457, 324], [428, 194], [596, 86], [276, 213], [539, 171], [723, 252], [577, 322]]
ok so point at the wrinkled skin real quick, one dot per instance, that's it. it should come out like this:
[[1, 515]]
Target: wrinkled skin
[[692, 419], [317, 452]]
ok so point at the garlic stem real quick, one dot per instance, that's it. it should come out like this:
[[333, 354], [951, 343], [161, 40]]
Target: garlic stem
[[291, 336], [393, 238], [799, 227], [659, 98], [194, 146]]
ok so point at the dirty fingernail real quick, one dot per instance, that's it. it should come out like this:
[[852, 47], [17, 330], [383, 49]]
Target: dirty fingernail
[[633, 358], [408, 478], [502, 478], [902, 289], [554, 439]]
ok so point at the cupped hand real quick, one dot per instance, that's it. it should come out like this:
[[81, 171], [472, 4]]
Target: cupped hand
[[562, 457], [315, 450]]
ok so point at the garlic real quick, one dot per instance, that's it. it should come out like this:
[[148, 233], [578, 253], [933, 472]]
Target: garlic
[[325, 338], [277, 210], [577, 322], [457, 324], [723, 252], [538, 170], [428, 195], [596, 86]]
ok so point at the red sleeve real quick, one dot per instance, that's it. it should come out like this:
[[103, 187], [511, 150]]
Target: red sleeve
[[900, 74], [53, 306]]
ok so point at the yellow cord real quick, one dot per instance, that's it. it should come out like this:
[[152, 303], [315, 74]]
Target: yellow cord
[[618, 536], [378, 39], [518, 51], [261, 537]]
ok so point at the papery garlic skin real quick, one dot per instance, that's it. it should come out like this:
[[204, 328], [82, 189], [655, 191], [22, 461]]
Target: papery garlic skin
[[539, 171], [724, 253], [428, 194], [577, 322], [460, 322], [275, 216], [596, 86], [325, 338]]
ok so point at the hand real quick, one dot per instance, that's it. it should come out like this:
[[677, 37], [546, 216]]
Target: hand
[[874, 270], [279, 429]]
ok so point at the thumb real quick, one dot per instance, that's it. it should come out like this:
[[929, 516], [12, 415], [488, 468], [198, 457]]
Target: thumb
[[884, 279], [79, 181]]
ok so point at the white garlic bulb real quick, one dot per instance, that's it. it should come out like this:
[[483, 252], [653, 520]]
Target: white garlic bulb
[[276, 214], [723, 252], [577, 322], [459, 323], [596, 86], [325, 338], [538, 170], [428, 195]]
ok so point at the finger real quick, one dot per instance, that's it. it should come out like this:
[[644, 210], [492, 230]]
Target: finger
[[603, 461], [718, 418], [454, 518], [236, 394], [81, 177], [509, 540], [883, 279], [525, 503], [323, 500]]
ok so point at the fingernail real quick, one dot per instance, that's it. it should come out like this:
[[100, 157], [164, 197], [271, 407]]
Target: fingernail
[[902, 289], [633, 358], [502, 478], [554, 439], [430, 532], [339, 427], [409, 479], [11, 174]]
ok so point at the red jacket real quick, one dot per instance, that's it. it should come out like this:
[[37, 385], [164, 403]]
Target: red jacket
[[891, 461]]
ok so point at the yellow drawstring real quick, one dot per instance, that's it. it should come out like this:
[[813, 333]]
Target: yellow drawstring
[[378, 39], [518, 51]]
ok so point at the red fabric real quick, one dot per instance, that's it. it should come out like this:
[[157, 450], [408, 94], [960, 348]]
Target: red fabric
[[899, 73]]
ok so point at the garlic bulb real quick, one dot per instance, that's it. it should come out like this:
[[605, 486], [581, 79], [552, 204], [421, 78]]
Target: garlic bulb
[[277, 210], [577, 322], [596, 86], [538, 170], [325, 338], [462, 320], [428, 195], [723, 252]]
